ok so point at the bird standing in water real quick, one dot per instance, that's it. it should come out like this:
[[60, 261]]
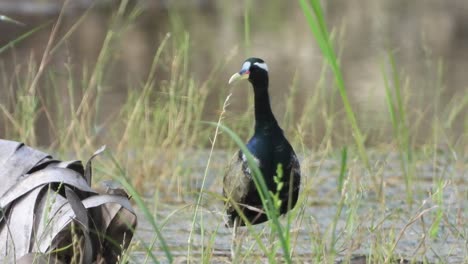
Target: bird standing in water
[[270, 149]]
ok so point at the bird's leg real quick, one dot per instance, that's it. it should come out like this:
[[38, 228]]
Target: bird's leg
[[233, 242]]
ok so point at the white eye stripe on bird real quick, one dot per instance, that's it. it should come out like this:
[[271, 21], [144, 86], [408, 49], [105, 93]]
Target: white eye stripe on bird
[[262, 65], [246, 65]]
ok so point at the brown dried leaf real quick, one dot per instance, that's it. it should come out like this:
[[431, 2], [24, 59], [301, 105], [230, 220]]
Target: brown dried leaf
[[42, 198]]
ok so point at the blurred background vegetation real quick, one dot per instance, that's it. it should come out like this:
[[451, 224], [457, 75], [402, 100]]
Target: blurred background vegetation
[[210, 39]]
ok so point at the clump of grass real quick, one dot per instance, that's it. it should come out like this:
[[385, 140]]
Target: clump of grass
[[121, 177], [200, 196], [24, 115], [398, 117], [316, 21], [438, 197]]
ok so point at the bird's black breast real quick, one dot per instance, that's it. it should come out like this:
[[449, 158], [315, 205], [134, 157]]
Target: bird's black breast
[[269, 150]]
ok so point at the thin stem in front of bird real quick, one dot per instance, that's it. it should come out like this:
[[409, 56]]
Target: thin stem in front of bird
[[200, 196]]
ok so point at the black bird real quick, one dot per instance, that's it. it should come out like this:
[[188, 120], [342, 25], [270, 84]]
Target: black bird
[[270, 148]]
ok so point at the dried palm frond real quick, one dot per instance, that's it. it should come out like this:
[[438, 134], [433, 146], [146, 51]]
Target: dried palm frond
[[50, 214]]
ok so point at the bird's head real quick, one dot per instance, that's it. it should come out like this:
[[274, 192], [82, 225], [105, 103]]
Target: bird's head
[[255, 70]]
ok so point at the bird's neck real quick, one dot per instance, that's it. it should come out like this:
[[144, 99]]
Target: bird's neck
[[264, 118]]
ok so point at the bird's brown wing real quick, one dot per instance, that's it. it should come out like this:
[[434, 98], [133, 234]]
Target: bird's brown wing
[[235, 183]]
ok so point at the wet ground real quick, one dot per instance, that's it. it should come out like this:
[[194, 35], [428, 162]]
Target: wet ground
[[368, 224]]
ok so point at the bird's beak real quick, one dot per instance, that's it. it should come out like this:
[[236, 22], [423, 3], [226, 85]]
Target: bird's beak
[[243, 75]]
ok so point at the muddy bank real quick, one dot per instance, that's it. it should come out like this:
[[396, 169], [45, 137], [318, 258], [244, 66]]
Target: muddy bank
[[369, 223]]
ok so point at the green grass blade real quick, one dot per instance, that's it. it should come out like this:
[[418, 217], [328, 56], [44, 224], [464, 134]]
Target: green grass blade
[[22, 37], [397, 113], [11, 20], [141, 204], [315, 19], [344, 161]]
